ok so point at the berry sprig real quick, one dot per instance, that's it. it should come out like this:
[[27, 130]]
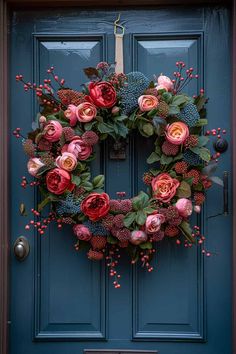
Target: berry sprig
[[112, 262], [181, 80]]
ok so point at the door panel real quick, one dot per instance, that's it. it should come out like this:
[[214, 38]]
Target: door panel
[[61, 302]]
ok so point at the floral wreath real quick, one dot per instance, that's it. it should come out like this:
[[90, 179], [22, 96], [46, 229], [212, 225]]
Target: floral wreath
[[60, 149]]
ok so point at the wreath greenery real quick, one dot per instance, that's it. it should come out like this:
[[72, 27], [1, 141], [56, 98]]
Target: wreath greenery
[[60, 149]]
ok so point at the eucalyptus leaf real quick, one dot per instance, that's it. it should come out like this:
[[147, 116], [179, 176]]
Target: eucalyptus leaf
[[184, 190], [75, 180], [217, 180], [98, 181], [153, 158], [187, 231], [174, 109], [166, 160], [129, 219], [140, 217], [205, 154]]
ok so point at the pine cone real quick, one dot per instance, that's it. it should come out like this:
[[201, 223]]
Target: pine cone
[[95, 255], [90, 137], [68, 133], [68, 96], [171, 231], [163, 109], [181, 167], [199, 198], [98, 242], [28, 147], [169, 149]]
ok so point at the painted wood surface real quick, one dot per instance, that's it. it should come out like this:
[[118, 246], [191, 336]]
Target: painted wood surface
[[64, 303]]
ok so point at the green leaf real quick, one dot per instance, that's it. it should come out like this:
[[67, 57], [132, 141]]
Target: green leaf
[[122, 130], [205, 154], [166, 160], [120, 118], [88, 126], [200, 101], [87, 185], [203, 140], [44, 203], [179, 100], [22, 209], [112, 240], [129, 219], [98, 181], [152, 112], [178, 157], [146, 246], [195, 149], [149, 210], [189, 180], [132, 117], [187, 231], [148, 129], [153, 158], [75, 180], [140, 217], [174, 109], [201, 122], [184, 190], [104, 128], [99, 119], [167, 97]]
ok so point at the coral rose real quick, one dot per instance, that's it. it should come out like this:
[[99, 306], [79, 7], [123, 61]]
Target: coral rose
[[153, 223], [164, 187], [79, 148], [52, 131], [85, 112], [185, 207], [177, 133], [102, 94], [70, 114], [66, 161], [34, 165], [96, 205], [58, 181], [166, 82], [82, 232], [147, 103]]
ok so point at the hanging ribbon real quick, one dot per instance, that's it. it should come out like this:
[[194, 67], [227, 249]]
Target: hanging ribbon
[[119, 56]]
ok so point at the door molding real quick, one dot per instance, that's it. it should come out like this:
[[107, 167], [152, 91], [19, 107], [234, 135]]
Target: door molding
[[6, 6]]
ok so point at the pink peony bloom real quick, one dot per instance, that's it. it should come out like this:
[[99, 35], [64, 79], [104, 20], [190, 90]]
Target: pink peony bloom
[[185, 207], [70, 114], [177, 133], [85, 112], [66, 161], [147, 103], [79, 148], [82, 232], [166, 82], [33, 165], [153, 223], [52, 131]]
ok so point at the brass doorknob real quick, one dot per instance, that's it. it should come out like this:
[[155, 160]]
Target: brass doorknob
[[21, 248]]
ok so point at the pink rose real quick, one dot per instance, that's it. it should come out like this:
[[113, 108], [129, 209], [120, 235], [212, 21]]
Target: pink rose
[[85, 112], [147, 103], [153, 223], [161, 87], [33, 165], [70, 114], [79, 148], [58, 181], [185, 207], [103, 94], [164, 187], [66, 161], [82, 232], [166, 82], [177, 133], [52, 131], [137, 237]]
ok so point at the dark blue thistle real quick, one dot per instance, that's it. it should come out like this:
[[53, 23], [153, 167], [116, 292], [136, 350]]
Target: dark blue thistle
[[96, 228], [133, 88], [189, 115], [192, 159], [69, 205]]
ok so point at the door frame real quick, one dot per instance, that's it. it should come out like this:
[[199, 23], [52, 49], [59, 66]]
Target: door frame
[[6, 6]]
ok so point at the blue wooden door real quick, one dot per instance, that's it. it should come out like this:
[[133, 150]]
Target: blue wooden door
[[63, 304]]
